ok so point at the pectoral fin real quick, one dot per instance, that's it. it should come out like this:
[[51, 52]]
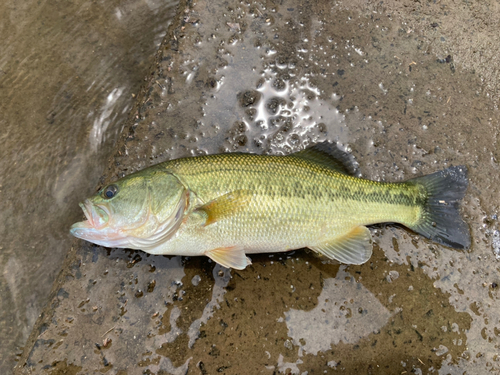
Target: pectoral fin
[[352, 248], [230, 257], [225, 205]]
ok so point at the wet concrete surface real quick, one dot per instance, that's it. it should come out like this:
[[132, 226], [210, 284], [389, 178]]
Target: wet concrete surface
[[68, 73], [272, 78]]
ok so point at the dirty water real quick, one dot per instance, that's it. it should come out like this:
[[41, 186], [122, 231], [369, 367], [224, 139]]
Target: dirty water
[[68, 73], [268, 78]]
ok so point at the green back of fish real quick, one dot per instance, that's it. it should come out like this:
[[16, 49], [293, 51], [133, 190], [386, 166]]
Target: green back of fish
[[244, 203], [290, 194]]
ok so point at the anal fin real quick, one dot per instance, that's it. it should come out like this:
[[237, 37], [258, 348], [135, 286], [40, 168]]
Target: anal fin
[[230, 257], [353, 247]]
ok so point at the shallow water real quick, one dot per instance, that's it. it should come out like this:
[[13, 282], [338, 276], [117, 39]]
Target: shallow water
[[68, 74], [273, 79]]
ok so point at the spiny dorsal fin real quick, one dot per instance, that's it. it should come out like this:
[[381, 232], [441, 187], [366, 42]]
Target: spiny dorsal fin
[[329, 155], [353, 247], [225, 205]]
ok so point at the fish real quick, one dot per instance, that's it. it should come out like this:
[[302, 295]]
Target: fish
[[226, 206]]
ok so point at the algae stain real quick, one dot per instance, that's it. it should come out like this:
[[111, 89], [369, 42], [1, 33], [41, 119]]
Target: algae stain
[[63, 368]]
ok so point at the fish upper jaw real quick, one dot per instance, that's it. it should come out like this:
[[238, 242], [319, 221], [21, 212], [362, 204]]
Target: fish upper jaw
[[97, 219], [97, 215]]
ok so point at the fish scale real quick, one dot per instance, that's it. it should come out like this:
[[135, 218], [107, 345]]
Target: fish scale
[[318, 202], [228, 205]]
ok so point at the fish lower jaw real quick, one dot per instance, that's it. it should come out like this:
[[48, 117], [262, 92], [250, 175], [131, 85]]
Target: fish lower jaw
[[81, 225], [82, 230], [100, 238]]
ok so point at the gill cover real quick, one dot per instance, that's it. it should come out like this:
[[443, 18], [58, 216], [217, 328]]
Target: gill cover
[[167, 202]]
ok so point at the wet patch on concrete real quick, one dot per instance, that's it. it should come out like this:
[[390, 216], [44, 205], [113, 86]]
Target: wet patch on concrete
[[318, 316]]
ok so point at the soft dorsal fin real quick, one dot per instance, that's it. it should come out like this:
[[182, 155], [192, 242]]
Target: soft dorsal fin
[[329, 155]]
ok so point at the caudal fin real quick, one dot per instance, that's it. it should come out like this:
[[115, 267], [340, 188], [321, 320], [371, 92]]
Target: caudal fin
[[441, 221]]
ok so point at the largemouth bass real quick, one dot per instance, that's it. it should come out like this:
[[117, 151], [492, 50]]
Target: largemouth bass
[[229, 205]]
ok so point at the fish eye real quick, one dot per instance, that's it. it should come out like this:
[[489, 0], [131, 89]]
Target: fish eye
[[109, 192]]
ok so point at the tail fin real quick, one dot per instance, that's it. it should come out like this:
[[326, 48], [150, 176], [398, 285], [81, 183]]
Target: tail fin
[[441, 221]]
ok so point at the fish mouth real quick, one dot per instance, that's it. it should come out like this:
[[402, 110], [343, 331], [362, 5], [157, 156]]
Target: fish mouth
[[97, 218], [97, 228]]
